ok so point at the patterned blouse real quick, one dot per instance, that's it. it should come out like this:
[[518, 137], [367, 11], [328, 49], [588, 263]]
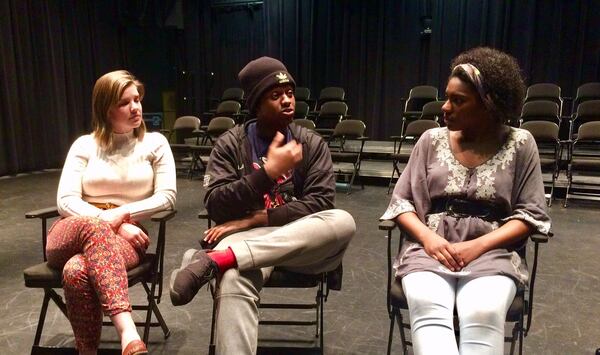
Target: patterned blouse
[[511, 179]]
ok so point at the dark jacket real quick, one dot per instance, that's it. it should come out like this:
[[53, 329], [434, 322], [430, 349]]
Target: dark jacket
[[234, 188]]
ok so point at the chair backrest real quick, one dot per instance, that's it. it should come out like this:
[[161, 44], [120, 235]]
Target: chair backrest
[[235, 94], [540, 110], [301, 109], [333, 108], [418, 127], [432, 111], [186, 122], [302, 93], [228, 108], [349, 128], [419, 96], [543, 91], [587, 111], [183, 128], [219, 125], [303, 122], [587, 91], [589, 131], [542, 131], [332, 93]]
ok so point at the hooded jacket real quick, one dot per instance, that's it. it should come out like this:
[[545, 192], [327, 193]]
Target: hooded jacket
[[235, 188]]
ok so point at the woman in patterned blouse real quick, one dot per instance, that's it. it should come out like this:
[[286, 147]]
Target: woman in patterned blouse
[[468, 198]]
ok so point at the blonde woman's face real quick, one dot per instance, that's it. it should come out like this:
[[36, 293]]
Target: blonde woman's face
[[127, 113]]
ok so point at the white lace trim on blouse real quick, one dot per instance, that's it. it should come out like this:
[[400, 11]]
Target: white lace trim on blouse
[[541, 226], [433, 220], [457, 173], [398, 207]]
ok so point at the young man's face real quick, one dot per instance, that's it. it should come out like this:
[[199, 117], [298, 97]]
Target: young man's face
[[276, 107]]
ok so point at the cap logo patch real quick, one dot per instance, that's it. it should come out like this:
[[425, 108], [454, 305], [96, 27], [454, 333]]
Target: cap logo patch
[[282, 78]]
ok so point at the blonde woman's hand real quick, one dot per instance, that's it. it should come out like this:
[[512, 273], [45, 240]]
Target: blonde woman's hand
[[134, 235], [114, 217]]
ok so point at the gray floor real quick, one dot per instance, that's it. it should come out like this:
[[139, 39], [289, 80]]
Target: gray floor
[[567, 303]]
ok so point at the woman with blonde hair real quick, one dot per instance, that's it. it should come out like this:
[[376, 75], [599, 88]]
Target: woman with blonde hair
[[112, 178]]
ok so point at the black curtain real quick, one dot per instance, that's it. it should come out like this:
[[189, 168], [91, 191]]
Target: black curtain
[[50, 55], [51, 52], [378, 50]]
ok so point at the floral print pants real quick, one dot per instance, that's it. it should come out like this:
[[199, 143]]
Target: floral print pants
[[94, 261]]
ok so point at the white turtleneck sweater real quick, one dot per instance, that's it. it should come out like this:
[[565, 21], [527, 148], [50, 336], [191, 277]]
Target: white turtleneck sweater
[[138, 176]]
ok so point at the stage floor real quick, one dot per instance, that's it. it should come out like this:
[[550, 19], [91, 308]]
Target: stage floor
[[566, 313]]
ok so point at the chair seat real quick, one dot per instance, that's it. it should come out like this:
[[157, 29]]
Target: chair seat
[[202, 149], [587, 163], [289, 279], [400, 157], [545, 162], [43, 276], [398, 300], [344, 157], [324, 131]]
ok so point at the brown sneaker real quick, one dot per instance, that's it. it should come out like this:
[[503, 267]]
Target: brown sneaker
[[197, 268]]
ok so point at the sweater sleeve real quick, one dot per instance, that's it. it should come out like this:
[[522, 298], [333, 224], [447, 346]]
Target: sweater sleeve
[[69, 195], [165, 189]]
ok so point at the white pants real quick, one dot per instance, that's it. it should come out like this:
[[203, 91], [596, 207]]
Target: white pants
[[481, 304], [313, 244]]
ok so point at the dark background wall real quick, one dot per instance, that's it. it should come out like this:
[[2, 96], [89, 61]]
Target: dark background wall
[[51, 53]]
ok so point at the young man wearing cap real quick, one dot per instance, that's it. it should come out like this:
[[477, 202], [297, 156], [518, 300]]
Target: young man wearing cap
[[270, 188]]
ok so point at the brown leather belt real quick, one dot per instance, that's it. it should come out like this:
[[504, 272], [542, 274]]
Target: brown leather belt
[[104, 205], [110, 206]]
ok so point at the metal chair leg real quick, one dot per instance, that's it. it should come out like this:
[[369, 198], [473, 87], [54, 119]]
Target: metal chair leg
[[402, 336], [391, 334], [42, 319]]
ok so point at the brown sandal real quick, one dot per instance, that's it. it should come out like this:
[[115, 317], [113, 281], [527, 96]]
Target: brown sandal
[[135, 347]]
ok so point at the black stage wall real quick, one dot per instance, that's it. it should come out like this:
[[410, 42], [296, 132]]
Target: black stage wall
[[52, 51]]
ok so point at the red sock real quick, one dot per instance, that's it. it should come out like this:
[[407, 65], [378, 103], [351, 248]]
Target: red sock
[[225, 259]]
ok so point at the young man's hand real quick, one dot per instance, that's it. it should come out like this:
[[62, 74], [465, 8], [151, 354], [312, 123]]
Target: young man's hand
[[282, 157], [256, 219]]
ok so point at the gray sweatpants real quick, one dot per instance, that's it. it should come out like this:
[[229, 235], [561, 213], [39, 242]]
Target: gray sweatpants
[[313, 244]]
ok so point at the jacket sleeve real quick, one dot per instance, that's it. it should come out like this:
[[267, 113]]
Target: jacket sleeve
[[230, 194], [318, 190]]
